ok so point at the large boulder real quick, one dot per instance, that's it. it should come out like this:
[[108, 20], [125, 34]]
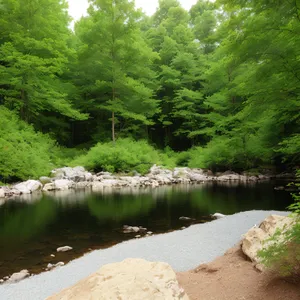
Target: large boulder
[[256, 238], [29, 186], [134, 279], [76, 174]]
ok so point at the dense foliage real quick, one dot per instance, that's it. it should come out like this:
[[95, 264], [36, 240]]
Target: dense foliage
[[24, 152], [124, 156], [220, 84]]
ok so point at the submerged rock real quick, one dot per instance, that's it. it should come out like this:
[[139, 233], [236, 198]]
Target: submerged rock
[[133, 279], [218, 216], [18, 276], [64, 249]]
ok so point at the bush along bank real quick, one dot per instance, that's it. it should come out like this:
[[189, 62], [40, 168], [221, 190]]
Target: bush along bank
[[78, 178]]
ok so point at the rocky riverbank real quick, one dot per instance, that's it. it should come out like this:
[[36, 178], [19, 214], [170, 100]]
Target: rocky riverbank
[[78, 178]]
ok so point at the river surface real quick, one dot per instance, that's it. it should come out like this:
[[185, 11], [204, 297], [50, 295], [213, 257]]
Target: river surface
[[33, 227]]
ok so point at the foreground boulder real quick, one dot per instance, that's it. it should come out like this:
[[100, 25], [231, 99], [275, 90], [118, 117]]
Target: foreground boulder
[[133, 279], [256, 238]]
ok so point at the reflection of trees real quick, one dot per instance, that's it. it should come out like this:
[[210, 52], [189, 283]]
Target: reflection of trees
[[26, 222], [112, 207], [209, 203]]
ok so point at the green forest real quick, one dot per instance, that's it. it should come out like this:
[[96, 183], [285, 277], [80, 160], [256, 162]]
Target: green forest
[[216, 87]]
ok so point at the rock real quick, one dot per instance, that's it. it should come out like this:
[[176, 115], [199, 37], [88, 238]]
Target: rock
[[130, 229], [1, 280], [60, 264], [29, 186], [137, 236], [97, 186], [18, 276], [183, 227], [77, 174], [49, 187], [63, 184], [186, 219], [82, 184], [279, 188], [218, 216], [57, 174], [228, 176], [133, 279], [109, 182], [255, 239], [64, 249], [45, 179], [181, 172], [2, 193], [149, 232], [51, 266], [52, 255], [196, 177]]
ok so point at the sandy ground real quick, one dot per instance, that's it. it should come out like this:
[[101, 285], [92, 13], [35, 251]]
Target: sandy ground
[[233, 277]]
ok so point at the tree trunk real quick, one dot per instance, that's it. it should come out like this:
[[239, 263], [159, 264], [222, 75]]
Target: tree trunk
[[113, 127]]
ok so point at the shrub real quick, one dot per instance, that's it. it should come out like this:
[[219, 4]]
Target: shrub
[[124, 156], [24, 153]]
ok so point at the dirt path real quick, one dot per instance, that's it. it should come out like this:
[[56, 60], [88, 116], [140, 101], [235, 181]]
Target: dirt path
[[233, 277]]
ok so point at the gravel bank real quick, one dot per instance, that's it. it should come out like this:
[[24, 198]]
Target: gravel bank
[[183, 250]]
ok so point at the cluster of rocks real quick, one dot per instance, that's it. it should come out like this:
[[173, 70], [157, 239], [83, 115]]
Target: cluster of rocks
[[78, 178], [131, 279], [137, 229]]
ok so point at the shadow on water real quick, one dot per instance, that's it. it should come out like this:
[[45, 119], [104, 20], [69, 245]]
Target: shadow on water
[[32, 227]]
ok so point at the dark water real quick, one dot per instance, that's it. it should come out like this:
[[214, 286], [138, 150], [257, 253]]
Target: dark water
[[31, 229]]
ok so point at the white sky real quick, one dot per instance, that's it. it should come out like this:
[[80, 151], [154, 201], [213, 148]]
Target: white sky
[[77, 8]]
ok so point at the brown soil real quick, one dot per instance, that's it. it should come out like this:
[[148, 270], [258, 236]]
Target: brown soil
[[233, 277]]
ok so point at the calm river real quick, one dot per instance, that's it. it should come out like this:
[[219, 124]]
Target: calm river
[[31, 229]]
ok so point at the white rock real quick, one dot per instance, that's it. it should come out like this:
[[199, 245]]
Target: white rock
[[181, 172], [133, 279], [2, 193], [218, 216], [149, 232], [1, 280], [29, 186], [50, 266], [49, 187], [137, 236], [52, 255], [18, 276], [60, 264], [109, 182], [63, 184], [64, 249], [97, 186], [185, 219], [130, 229]]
